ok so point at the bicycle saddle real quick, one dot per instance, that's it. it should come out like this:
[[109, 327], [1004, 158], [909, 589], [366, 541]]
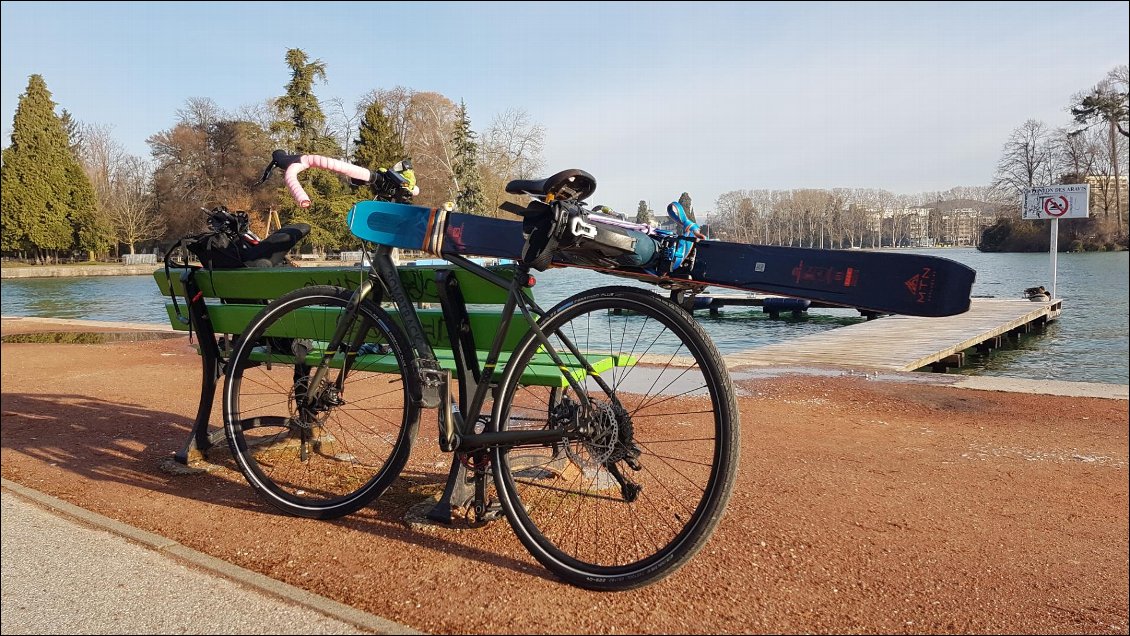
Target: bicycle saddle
[[567, 185]]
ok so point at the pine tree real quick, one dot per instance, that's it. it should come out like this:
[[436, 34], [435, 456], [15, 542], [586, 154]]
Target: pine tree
[[41, 180], [377, 145], [92, 232], [642, 215], [468, 182], [301, 119], [302, 123], [74, 132]]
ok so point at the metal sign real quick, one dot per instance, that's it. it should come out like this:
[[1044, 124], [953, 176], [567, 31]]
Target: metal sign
[[1057, 202]]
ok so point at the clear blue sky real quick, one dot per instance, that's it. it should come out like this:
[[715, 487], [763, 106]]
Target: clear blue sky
[[652, 98]]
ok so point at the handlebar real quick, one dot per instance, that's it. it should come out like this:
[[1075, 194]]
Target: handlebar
[[294, 164]]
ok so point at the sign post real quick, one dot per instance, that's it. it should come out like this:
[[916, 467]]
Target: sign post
[[1055, 203]]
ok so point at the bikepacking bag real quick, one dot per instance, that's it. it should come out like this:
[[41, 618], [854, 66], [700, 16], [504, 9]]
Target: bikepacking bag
[[215, 250], [563, 230], [230, 244]]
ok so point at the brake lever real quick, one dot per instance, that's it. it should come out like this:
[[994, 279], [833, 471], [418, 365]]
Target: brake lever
[[267, 172]]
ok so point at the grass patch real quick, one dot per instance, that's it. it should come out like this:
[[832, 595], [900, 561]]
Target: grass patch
[[86, 337]]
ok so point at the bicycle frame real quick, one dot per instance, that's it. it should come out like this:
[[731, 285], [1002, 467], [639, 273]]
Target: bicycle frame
[[457, 423]]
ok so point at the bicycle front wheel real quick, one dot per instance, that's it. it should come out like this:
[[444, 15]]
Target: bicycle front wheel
[[642, 480], [326, 456]]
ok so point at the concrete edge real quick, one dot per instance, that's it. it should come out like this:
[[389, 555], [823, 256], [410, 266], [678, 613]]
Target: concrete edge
[[247, 578], [1007, 384], [92, 324], [1045, 387]]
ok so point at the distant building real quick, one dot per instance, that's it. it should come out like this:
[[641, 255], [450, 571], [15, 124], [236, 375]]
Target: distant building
[[956, 222], [1104, 195]]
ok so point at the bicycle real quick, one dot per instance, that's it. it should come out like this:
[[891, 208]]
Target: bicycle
[[613, 474]]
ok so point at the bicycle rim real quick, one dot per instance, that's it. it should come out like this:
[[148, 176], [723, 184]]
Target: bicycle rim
[[327, 458], [580, 506]]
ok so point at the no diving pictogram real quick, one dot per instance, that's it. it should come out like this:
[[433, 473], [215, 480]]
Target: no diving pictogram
[[1056, 206]]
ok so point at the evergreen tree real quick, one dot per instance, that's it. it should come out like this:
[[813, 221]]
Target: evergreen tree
[[42, 183], [468, 182], [74, 132], [377, 145], [688, 207], [301, 120], [91, 230], [642, 215], [92, 233]]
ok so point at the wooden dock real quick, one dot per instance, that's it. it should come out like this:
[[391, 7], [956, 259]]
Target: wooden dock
[[908, 343]]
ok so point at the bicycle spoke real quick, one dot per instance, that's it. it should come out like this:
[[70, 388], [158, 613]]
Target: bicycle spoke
[[345, 439], [637, 486]]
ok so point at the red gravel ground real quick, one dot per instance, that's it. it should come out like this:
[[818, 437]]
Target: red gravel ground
[[861, 506]]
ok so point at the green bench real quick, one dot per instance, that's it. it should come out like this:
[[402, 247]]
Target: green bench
[[455, 306]]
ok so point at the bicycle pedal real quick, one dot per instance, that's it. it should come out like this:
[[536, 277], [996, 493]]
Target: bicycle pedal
[[492, 512], [433, 383]]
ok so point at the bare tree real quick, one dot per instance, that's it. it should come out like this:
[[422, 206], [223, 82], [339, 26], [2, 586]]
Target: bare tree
[[341, 124], [132, 214], [432, 120], [1028, 159], [734, 217], [262, 115], [199, 111], [121, 186], [511, 149]]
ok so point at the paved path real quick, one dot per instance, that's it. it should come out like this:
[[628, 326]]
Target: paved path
[[70, 571]]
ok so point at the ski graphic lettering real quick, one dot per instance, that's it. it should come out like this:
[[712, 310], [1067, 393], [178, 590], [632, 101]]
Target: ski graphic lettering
[[921, 285], [824, 275]]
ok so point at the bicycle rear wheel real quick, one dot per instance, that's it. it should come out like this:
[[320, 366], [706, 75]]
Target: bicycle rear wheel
[[643, 480], [326, 457]]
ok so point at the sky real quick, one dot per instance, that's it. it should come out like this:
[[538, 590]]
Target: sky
[[652, 98]]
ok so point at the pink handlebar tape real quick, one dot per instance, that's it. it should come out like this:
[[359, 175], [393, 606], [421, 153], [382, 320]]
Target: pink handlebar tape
[[325, 163]]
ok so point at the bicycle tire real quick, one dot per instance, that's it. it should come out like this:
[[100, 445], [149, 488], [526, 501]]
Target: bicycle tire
[[331, 459], [671, 399]]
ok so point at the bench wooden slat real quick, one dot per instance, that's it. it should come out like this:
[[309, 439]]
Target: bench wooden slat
[[540, 372], [271, 282], [233, 318]]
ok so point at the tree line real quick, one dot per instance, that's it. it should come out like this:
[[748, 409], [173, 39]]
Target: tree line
[[845, 217], [70, 189]]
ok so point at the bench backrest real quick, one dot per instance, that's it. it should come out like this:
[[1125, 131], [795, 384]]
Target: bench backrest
[[242, 289]]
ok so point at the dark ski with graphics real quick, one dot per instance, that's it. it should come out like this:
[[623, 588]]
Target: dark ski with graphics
[[883, 282]]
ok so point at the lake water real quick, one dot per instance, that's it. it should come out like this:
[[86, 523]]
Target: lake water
[[1088, 343]]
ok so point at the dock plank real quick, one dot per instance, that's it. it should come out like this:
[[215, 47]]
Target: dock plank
[[903, 343]]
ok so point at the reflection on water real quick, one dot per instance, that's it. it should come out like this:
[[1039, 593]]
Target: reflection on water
[[1089, 342]]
